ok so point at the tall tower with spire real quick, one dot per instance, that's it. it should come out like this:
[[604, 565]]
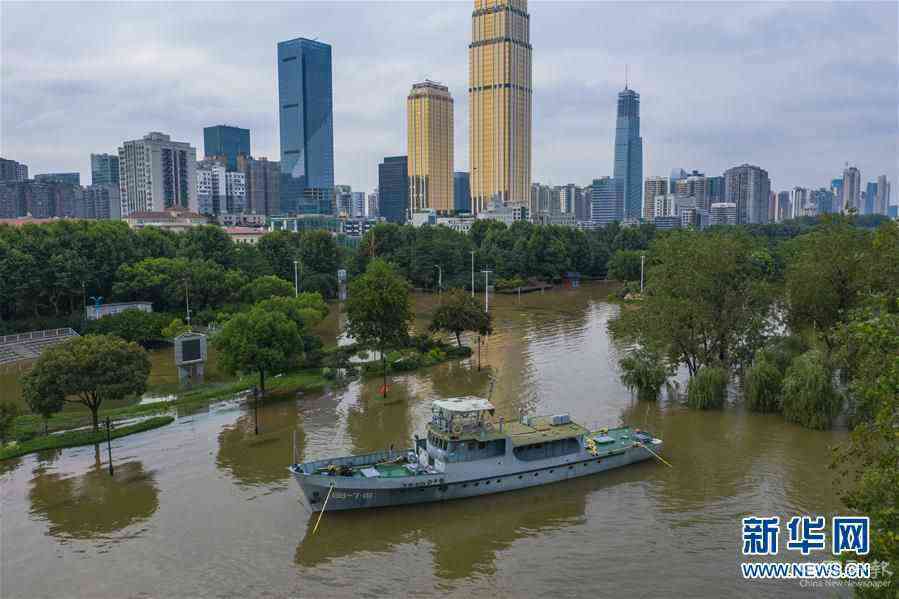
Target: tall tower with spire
[[628, 170], [499, 91]]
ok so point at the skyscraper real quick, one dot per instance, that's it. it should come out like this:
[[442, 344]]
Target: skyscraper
[[870, 203], [461, 192], [655, 186], [429, 111], [226, 143], [500, 98], [393, 188], [263, 180], [629, 154], [104, 169], [67, 178], [749, 188], [882, 203], [12, 171], [852, 189], [220, 191], [156, 174], [606, 201], [305, 101]]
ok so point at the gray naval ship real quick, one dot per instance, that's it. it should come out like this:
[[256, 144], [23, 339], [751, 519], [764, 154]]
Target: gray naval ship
[[469, 452]]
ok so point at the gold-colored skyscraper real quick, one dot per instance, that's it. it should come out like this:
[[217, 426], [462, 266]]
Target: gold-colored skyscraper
[[429, 110], [499, 92]]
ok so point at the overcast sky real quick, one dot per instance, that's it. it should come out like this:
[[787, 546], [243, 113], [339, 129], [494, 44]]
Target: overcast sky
[[798, 88]]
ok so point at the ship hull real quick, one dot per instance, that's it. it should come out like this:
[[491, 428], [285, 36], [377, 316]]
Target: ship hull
[[360, 493]]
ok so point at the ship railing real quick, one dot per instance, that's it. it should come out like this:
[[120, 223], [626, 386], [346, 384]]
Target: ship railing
[[367, 459]]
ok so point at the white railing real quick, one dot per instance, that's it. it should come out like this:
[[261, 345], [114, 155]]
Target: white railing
[[36, 335]]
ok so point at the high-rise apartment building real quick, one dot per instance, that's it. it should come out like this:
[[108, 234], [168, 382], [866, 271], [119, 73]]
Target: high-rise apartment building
[[429, 120], [882, 201], [157, 174], [104, 169], [226, 143], [714, 190], [371, 208], [654, 186], [220, 191], [67, 178], [263, 181], [461, 192], [783, 206], [305, 102], [824, 200], [723, 213], [499, 103], [870, 198], [357, 207], [748, 187], [852, 189], [606, 201], [101, 201], [629, 154], [393, 188], [12, 171]]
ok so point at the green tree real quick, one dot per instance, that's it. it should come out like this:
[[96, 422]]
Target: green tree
[[625, 265], [174, 328], [869, 460], [645, 372], [306, 310], [208, 242], [9, 411], [259, 340], [459, 312], [89, 370], [279, 249], [43, 395], [379, 311], [707, 390], [763, 385], [809, 398], [266, 287], [131, 325]]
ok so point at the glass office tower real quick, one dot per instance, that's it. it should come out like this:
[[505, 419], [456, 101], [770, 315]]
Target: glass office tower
[[226, 143], [305, 104], [629, 154]]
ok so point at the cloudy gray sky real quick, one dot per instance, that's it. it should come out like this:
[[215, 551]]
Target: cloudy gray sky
[[798, 88]]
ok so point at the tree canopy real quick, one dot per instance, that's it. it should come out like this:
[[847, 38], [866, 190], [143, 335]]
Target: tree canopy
[[459, 312]]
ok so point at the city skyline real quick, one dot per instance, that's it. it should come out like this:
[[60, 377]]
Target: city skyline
[[839, 95]]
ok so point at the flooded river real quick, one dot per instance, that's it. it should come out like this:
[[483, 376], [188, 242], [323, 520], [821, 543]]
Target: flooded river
[[204, 508]]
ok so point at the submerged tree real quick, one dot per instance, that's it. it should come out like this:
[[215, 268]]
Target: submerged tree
[[707, 390], [809, 398], [459, 312], [645, 372], [8, 414], [763, 385]]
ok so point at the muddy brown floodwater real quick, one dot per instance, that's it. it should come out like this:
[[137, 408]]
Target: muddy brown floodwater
[[204, 508]]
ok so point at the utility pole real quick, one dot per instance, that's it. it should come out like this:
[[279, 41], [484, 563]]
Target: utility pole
[[439, 278], [472, 272], [486, 290], [187, 300], [296, 279]]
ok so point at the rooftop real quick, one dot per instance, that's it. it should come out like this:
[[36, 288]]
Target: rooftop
[[463, 404]]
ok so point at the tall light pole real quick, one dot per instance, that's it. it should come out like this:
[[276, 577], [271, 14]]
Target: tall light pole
[[486, 290], [439, 278], [472, 252], [296, 279]]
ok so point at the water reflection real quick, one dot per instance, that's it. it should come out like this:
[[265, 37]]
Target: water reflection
[[93, 504], [464, 536], [262, 459], [375, 423]]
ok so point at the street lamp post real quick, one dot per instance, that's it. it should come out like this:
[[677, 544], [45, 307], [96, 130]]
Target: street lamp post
[[472, 272], [439, 278], [296, 279]]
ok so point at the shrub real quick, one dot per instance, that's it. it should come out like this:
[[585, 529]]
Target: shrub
[[707, 389], [132, 325], [809, 398], [644, 372], [763, 385]]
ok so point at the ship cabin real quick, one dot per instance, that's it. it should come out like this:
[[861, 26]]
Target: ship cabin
[[466, 429]]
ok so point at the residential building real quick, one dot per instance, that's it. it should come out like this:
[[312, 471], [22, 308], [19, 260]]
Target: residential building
[[226, 143], [41, 199], [664, 205], [882, 202], [241, 220], [220, 190], [263, 184], [104, 169], [371, 208], [101, 201], [157, 174], [666, 223], [507, 214], [429, 120], [12, 171], [172, 220], [247, 235], [305, 101], [783, 207], [824, 200], [499, 103], [694, 185], [802, 203], [748, 187], [461, 192], [714, 190], [852, 189], [676, 175], [357, 206], [629, 154], [67, 178], [393, 189], [343, 199], [569, 198], [607, 202], [723, 213], [583, 203], [654, 186]]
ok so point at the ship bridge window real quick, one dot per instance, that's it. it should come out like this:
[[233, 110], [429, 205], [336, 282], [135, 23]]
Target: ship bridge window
[[474, 450], [549, 449]]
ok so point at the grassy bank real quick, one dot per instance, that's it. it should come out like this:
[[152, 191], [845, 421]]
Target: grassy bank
[[79, 437]]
